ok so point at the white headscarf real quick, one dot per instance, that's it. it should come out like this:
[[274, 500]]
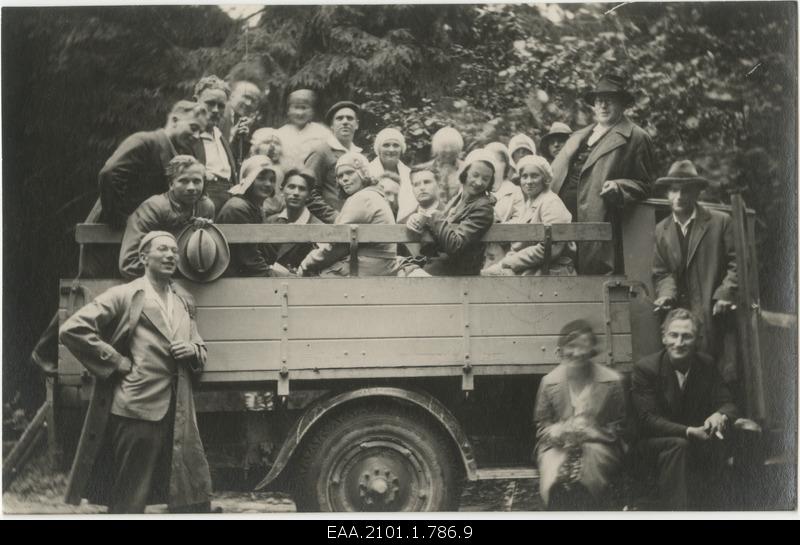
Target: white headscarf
[[251, 168], [389, 135]]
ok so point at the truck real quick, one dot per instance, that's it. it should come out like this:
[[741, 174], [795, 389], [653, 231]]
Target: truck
[[389, 393]]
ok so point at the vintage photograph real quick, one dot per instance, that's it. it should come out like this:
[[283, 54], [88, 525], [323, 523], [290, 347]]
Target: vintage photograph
[[485, 258]]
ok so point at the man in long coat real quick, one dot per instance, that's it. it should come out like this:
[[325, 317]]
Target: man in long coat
[[140, 442], [601, 169], [694, 263]]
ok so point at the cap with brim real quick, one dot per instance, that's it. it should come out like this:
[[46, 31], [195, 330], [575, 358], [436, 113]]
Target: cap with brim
[[557, 130], [338, 106], [251, 168], [610, 84], [682, 173], [151, 235], [203, 254]]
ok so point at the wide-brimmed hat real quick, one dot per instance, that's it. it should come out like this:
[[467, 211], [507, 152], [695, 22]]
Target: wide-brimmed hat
[[557, 130], [251, 168], [338, 106], [610, 84], [203, 254], [682, 173], [475, 156]]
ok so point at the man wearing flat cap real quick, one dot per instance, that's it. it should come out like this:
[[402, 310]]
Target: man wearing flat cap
[[694, 263], [602, 168], [326, 200], [140, 443]]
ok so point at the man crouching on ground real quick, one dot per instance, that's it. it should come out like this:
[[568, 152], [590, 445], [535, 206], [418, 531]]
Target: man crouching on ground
[[140, 443]]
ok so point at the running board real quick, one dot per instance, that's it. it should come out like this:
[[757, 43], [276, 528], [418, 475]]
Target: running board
[[506, 473]]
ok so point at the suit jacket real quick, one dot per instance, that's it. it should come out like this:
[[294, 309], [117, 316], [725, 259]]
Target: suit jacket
[[624, 154], [662, 410], [120, 324], [199, 151], [246, 259], [135, 171], [326, 199], [710, 272], [291, 254]]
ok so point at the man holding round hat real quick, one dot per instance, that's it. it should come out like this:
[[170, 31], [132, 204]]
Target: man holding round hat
[[602, 168], [257, 182], [326, 199], [301, 135], [140, 443], [694, 263]]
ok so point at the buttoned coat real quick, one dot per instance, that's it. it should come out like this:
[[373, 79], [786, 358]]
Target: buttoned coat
[[625, 155], [99, 335], [606, 412], [710, 274], [662, 410]]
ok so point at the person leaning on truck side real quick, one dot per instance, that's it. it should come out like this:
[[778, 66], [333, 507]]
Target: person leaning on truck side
[[541, 206], [213, 149], [580, 420], [181, 205], [683, 409], [296, 187], [602, 168], [694, 263], [326, 198], [365, 204], [140, 443], [257, 182], [457, 249]]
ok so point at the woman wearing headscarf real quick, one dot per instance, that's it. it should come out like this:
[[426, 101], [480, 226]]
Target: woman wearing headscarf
[[541, 206], [446, 147], [458, 230], [580, 420], [519, 146], [266, 141], [553, 141], [365, 204], [509, 203], [390, 145], [257, 182]]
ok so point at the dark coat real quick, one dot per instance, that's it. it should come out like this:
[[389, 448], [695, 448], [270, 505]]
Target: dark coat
[[135, 171], [458, 231], [326, 199], [246, 259], [99, 335], [624, 155], [662, 410], [710, 276], [291, 254], [199, 151]]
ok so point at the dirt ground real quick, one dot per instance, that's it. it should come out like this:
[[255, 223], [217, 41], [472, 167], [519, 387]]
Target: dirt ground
[[39, 491]]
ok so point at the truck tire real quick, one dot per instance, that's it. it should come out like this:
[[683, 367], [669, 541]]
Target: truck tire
[[377, 459]]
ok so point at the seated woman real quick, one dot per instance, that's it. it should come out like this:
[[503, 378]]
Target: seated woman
[[181, 205], [457, 231], [266, 141], [541, 206], [580, 418], [510, 204], [365, 204], [296, 188], [256, 183]]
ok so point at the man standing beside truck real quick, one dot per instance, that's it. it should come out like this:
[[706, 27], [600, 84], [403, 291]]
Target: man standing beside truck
[[140, 442]]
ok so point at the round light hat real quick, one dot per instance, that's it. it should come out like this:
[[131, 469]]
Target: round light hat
[[203, 253]]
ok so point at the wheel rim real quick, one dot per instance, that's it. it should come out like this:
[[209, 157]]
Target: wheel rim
[[379, 475]]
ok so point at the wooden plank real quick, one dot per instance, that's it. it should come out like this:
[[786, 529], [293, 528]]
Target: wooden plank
[[386, 290], [402, 321], [97, 233], [361, 353]]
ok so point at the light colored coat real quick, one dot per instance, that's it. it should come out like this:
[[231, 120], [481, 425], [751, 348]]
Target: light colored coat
[[624, 155], [510, 203], [606, 411], [406, 203], [138, 332]]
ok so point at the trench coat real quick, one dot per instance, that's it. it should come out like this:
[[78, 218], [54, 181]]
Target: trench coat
[[606, 410], [711, 275], [625, 155], [99, 335]]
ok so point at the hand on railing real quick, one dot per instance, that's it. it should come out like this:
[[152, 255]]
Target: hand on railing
[[200, 223]]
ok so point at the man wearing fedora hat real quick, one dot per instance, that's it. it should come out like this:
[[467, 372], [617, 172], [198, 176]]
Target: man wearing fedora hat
[[694, 263], [183, 203], [326, 200], [602, 168], [140, 443]]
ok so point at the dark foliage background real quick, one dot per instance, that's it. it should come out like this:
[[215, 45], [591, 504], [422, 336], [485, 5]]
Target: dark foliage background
[[716, 82]]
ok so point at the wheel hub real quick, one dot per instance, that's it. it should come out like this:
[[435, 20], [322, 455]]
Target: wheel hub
[[378, 486]]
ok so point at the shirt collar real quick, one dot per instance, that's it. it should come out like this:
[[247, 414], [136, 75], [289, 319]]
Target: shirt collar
[[336, 145], [305, 215], [683, 226], [213, 135]]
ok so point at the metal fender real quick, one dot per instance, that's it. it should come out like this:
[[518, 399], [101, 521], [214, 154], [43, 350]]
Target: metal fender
[[317, 412]]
